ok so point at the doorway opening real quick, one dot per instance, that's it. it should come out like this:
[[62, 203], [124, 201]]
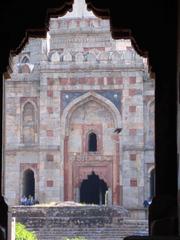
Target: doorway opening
[[152, 183], [28, 183], [93, 190]]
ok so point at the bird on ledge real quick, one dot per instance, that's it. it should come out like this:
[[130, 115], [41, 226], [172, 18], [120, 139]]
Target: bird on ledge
[[117, 130]]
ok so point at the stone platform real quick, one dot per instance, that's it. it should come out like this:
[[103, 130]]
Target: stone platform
[[57, 221]]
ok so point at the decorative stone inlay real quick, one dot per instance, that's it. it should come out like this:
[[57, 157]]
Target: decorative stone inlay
[[50, 110], [49, 93], [50, 133], [132, 108], [132, 80], [50, 81], [132, 131], [50, 183], [49, 157], [132, 157], [113, 95], [133, 182]]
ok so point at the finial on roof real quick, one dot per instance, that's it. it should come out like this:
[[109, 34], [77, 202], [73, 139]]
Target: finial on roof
[[79, 10]]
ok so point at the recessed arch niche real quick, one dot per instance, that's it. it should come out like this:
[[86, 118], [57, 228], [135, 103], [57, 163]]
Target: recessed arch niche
[[90, 113]]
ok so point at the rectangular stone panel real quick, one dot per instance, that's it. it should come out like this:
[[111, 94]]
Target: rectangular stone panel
[[132, 80], [49, 183], [133, 182], [132, 157], [50, 133], [49, 157]]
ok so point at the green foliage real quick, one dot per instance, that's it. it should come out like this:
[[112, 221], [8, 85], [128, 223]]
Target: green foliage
[[23, 234]]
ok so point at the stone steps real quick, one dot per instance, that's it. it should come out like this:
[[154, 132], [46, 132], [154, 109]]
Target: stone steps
[[108, 233], [93, 223]]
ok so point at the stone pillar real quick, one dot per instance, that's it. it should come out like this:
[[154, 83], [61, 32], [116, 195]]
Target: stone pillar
[[109, 197], [77, 194], [66, 182], [116, 184]]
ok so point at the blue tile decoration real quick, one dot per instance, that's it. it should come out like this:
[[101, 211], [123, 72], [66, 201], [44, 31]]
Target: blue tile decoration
[[113, 95]]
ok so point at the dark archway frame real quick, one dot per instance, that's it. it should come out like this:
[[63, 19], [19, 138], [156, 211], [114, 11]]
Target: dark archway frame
[[152, 27]]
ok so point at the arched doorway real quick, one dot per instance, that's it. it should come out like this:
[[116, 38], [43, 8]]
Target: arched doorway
[[152, 183], [92, 190], [28, 183]]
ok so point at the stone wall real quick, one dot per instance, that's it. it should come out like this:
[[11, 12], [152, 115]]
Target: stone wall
[[79, 80], [92, 222]]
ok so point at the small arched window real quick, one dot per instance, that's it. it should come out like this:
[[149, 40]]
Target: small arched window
[[92, 142], [25, 60], [29, 123]]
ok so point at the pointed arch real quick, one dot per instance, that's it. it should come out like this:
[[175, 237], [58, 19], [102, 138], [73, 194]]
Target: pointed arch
[[92, 142], [55, 57], [29, 123], [151, 122], [93, 189], [28, 183], [151, 182], [90, 96], [25, 59]]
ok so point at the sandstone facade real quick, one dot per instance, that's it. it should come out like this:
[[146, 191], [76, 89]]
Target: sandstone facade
[[79, 82]]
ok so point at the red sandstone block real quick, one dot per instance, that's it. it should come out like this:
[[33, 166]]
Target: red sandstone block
[[110, 80], [49, 157], [101, 48], [81, 80], [132, 92], [63, 81], [132, 80], [101, 81], [34, 165], [119, 80], [73, 81], [86, 49], [133, 182], [91, 81], [132, 131], [50, 133], [132, 157], [49, 93], [50, 109], [132, 108], [97, 48], [50, 81], [25, 69], [50, 183]]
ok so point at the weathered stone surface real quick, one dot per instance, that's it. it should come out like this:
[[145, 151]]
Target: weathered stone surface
[[79, 81], [92, 222]]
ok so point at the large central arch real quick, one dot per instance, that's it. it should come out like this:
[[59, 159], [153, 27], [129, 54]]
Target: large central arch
[[78, 166]]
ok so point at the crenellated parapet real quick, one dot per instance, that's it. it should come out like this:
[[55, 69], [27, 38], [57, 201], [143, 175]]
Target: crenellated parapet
[[121, 58]]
